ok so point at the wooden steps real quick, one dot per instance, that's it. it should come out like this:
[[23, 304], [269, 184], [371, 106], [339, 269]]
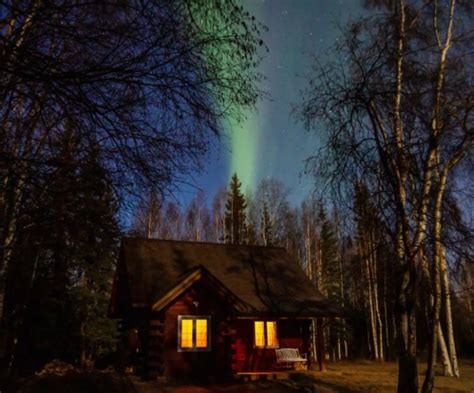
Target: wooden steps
[[261, 376]]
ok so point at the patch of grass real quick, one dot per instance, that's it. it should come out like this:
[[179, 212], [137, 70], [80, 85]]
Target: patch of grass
[[375, 377]]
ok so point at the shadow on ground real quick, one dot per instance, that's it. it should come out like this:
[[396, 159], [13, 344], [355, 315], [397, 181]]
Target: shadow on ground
[[90, 382], [96, 382], [343, 377]]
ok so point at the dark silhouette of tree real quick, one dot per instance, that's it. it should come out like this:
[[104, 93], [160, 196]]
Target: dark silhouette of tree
[[59, 281], [142, 84], [235, 215]]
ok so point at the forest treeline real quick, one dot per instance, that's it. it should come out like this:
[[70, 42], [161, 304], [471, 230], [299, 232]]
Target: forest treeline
[[349, 259]]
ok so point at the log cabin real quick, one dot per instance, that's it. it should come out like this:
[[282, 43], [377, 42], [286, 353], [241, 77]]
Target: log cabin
[[208, 310]]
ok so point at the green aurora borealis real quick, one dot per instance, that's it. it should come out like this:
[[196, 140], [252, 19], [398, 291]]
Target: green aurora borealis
[[244, 148], [245, 136], [270, 142]]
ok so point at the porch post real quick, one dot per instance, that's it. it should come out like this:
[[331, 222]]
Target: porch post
[[320, 347]]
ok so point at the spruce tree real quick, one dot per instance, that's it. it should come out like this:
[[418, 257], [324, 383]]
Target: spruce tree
[[70, 266], [235, 215], [97, 238]]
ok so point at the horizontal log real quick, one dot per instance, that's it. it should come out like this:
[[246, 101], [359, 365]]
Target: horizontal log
[[156, 348], [155, 333], [156, 339], [153, 340], [155, 355]]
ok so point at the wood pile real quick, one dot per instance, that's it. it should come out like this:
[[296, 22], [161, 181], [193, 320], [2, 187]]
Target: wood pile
[[56, 367]]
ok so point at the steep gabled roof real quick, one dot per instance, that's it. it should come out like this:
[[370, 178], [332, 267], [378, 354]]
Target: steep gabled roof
[[201, 274], [265, 279]]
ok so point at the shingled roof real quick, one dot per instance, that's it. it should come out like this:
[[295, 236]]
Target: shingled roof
[[265, 279]]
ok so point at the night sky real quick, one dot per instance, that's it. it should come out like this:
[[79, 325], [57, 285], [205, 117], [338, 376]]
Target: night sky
[[271, 143]]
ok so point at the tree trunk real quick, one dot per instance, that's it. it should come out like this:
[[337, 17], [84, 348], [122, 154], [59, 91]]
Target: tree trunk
[[373, 273], [385, 310], [339, 353], [309, 267], [428, 384], [449, 319], [407, 367], [373, 327], [346, 350], [341, 294], [369, 339], [448, 369], [406, 318], [436, 125]]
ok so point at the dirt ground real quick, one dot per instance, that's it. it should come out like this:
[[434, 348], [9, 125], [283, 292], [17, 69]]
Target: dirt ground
[[344, 377], [372, 377]]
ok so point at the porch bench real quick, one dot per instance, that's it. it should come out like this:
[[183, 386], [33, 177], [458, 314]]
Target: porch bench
[[291, 357]]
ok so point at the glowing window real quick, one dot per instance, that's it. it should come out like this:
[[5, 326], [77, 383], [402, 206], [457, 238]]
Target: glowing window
[[265, 334], [259, 334], [186, 333], [201, 333], [271, 334], [193, 333]]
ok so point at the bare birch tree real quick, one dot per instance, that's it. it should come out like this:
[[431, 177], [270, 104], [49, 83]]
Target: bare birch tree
[[386, 115], [218, 215]]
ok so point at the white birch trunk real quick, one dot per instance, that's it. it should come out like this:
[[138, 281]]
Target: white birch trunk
[[448, 369], [373, 327], [373, 272], [448, 315]]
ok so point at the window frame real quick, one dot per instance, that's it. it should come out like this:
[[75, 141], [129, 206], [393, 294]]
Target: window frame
[[194, 318], [265, 334]]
